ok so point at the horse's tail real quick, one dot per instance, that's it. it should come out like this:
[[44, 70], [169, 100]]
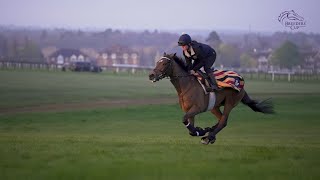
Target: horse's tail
[[265, 106]]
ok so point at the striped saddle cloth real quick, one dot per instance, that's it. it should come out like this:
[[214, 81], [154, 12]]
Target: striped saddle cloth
[[225, 79]]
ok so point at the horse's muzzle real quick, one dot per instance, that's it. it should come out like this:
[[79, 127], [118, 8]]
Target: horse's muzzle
[[153, 77]]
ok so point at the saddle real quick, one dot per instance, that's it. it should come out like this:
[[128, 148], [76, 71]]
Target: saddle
[[224, 78]]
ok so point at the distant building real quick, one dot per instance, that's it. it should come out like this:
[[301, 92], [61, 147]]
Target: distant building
[[47, 51], [262, 57], [311, 60], [67, 56], [118, 55]]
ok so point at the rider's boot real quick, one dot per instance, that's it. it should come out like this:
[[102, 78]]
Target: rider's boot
[[213, 83]]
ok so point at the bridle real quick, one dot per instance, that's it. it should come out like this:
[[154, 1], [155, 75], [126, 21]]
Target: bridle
[[163, 73]]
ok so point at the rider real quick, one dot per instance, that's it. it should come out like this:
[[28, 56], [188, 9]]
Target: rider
[[202, 55]]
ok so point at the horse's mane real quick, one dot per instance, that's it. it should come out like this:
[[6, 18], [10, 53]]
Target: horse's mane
[[178, 60]]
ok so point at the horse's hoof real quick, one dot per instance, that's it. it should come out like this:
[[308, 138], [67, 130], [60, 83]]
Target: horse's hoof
[[206, 140]]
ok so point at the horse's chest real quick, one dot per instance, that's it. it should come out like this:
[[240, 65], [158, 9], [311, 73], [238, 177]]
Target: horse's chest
[[204, 103], [185, 103]]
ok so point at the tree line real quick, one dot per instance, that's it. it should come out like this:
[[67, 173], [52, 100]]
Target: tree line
[[234, 50], [287, 50]]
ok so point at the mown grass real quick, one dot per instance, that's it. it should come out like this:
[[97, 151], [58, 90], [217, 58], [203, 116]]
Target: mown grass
[[28, 88], [150, 142], [33, 88]]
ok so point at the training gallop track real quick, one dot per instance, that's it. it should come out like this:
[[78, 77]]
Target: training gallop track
[[87, 105]]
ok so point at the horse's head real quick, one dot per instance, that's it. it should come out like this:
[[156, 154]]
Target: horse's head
[[163, 68]]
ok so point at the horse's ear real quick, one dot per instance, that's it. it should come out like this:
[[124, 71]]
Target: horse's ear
[[164, 54], [174, 55]]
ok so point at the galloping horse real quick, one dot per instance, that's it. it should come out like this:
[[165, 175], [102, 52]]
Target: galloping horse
[[194, 100]]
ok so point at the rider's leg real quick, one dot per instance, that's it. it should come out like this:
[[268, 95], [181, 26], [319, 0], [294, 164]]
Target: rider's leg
[[213, 81], [207, 68]]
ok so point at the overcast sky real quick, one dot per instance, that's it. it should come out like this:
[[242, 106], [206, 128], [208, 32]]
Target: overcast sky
[[257, 15]]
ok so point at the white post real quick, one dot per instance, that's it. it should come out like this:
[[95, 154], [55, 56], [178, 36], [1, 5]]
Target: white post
[[289, 77], [133, 70], [272, 76]]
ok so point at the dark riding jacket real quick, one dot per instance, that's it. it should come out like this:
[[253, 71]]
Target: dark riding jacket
[[202, 54]]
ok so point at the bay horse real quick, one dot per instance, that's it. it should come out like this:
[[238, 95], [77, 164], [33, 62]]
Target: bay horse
[[194, 100]]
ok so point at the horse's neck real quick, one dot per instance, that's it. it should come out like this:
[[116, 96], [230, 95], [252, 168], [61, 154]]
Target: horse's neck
[[181, 79]]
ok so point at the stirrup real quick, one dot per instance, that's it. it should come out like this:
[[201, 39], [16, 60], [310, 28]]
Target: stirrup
[[209, 89], [212, 88]]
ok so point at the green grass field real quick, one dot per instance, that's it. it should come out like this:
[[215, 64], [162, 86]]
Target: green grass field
[[149, 141]]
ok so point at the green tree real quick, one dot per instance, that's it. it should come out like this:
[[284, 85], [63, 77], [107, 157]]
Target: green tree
[[3, 46], [44, 34], [287, 56], [246, 61], [214, 39], [12, 48], [228, 55], [31, 53]]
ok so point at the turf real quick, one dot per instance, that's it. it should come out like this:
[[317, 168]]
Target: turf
[[150, 142], [33, 88]]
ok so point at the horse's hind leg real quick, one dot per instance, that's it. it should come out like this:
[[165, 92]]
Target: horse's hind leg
[[218, 127], [217, 112]]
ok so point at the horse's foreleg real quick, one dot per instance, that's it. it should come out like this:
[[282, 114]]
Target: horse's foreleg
[[195, 131], [191, 120], [190, 126], [188, 121]]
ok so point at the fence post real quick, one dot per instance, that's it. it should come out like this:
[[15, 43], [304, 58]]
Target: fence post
[[272, 76], [133, 71]]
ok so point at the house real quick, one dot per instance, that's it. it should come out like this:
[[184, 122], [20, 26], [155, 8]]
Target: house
[[118, 55], [47, 51], [67, 56], [262, 57], [311, 60]]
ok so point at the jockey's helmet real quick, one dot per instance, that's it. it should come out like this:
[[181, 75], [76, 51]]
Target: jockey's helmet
[[184, 39]]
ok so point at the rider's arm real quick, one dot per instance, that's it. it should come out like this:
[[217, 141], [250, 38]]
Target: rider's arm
[[188, 63], [198, 65]]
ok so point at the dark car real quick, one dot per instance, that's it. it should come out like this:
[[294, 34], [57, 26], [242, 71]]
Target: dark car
[[85, 66]]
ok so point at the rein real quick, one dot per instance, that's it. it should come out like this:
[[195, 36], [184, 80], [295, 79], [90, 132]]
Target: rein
[[163, 73]]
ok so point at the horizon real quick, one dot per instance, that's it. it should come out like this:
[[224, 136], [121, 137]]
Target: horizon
[[176, 31]]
